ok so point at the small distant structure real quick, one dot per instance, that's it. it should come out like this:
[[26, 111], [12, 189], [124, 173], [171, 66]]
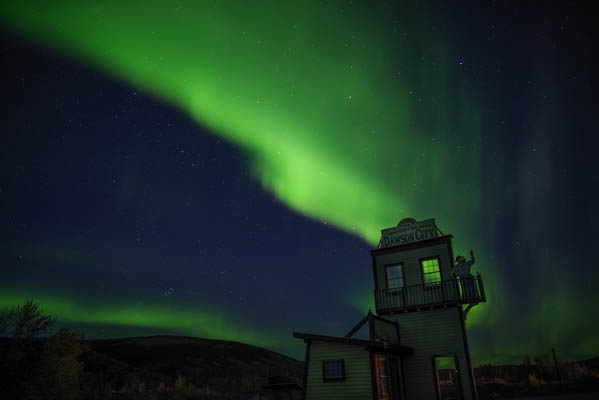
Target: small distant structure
[[280, 388], [417, 347]]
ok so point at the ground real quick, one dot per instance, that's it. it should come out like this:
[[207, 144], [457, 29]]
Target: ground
[[571, 396]]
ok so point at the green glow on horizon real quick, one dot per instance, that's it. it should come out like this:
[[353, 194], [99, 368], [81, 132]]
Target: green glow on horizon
[[162, 318]]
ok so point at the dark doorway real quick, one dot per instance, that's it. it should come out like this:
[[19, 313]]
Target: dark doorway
[[447, 377], [394, 377]]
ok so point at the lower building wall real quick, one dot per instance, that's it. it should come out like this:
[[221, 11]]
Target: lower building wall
[[431, 333], [357, 383]]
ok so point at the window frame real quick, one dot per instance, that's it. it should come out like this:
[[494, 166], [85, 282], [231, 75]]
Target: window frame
[[336, 378], [422, 274], [403, 276]]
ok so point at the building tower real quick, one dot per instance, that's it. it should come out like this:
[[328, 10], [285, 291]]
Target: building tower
[[416, 346], [416, 288]]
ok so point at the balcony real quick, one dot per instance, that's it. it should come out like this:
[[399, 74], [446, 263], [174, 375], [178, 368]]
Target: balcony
[[453, 291]]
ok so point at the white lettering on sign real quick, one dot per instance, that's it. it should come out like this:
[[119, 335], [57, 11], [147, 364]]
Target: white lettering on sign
[[408, 231]]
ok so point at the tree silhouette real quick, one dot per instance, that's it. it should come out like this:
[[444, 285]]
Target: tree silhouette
[[19, 365], [27, 321]]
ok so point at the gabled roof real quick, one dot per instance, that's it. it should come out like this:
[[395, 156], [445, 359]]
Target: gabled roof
[[369, 345], [368, 318]]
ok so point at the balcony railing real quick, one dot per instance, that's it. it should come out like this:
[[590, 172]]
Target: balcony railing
[[453, 291]]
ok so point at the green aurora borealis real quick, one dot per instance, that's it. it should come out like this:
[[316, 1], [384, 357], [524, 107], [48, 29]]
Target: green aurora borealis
[[208, 323], [353, 115]]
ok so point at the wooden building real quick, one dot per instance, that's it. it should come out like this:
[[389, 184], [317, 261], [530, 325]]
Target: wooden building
[[417, 346]]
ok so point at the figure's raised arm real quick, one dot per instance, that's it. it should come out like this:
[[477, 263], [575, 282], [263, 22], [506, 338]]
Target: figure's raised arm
[[469, 263]]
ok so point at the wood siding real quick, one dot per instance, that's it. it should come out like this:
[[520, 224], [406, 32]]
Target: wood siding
[[357, 383], [430, 333]]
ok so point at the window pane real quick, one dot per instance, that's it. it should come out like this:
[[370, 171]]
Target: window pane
[[395, 283], [394, 271], [333, 369], [395, 276], [431, 272], [432, 278]]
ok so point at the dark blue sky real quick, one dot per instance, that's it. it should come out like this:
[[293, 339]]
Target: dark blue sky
[[110, 194]]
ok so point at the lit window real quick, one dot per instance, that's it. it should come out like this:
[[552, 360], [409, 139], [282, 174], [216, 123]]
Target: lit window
[[333, 370], [395, 276], [430, 271]]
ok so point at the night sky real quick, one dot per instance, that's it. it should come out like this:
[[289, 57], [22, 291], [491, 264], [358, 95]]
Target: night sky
[[221, 169]]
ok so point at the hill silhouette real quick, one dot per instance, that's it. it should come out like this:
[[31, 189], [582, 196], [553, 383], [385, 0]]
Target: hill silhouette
[[221, 368]]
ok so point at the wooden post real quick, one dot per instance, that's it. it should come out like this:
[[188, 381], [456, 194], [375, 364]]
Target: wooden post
[[457, 290], [559, 376], [481, 288], [443, 291]]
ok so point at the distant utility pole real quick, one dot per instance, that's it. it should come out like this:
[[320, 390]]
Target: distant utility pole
[[559, 376]]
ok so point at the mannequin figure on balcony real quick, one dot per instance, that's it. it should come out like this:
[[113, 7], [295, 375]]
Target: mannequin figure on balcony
[[462, 267], [462, 271]]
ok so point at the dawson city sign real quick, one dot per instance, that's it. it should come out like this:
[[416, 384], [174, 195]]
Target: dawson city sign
[[408, 231]]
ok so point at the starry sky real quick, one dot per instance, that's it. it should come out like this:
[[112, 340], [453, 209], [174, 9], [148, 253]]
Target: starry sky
[[222, 170]]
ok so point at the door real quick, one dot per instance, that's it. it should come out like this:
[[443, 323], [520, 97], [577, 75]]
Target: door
[[382, 377], [387, 377]]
